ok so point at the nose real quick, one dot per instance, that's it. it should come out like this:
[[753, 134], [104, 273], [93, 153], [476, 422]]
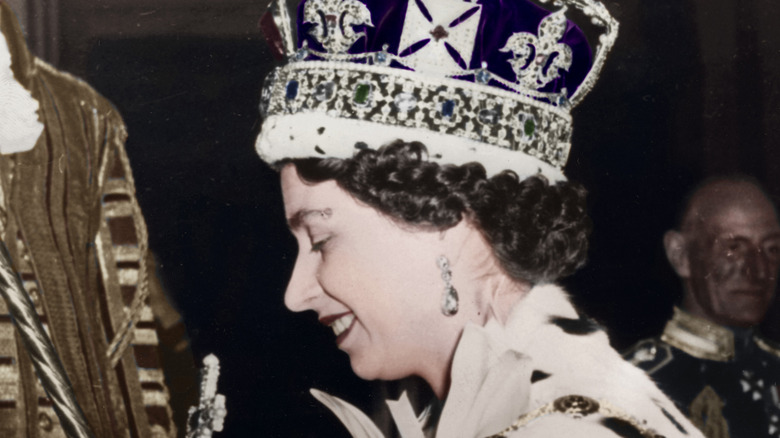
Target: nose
[[303, 288], [756, 265]]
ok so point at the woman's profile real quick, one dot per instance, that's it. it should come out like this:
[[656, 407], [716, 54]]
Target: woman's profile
[[420, 147]]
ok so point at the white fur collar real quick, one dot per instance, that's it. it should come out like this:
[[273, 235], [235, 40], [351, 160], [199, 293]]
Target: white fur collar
[[493, 368]]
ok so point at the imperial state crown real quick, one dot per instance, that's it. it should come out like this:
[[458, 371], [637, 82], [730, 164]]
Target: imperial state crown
[[486, 80]]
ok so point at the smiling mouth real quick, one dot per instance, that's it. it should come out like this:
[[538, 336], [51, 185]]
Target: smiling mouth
[[340, 324]]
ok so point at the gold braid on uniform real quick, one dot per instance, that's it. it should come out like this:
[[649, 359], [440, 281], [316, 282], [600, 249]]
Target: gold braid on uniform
[[706, 413], [578, 406]]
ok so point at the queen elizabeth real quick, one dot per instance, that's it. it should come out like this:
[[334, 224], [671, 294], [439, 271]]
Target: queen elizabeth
[[420, 145]]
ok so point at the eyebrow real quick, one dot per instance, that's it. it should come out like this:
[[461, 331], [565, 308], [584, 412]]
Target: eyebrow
[[775, 235], [731, 236], [296, 220]]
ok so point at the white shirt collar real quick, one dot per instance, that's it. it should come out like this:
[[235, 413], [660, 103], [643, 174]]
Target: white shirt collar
[[19, 124]]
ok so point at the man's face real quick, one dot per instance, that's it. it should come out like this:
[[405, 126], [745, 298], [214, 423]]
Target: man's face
[[734, 257]]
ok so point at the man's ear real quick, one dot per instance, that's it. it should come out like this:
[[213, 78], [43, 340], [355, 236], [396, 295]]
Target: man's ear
[[676, 248]]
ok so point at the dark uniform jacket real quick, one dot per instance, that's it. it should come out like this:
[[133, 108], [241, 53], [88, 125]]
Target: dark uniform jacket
[[720, 377]]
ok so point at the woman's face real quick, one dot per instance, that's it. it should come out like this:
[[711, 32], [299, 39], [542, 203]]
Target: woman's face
[[375, 284]]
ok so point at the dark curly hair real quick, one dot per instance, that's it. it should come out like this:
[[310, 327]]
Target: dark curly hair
[[538, 231]]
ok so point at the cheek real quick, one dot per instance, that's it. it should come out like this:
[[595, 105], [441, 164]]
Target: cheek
[[337, 278], [723, 269], [774, 269], [352, 279], [383, 289]]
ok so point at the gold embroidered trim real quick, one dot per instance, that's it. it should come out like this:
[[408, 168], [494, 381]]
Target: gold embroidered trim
[[3, 212], [577, 406], [137, 277], [767, 345], [707, 414], [698, 337], [6, 183]]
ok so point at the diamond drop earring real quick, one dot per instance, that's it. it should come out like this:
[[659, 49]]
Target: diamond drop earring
[[449, 300]]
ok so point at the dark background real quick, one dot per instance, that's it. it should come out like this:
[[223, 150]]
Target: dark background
[[690, 90]]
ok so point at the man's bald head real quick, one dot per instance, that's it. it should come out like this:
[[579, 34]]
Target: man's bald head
[[723, 197], [727, 251]]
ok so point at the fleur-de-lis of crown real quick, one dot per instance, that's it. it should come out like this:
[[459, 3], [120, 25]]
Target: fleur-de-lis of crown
[[538, 59], [334, 20]]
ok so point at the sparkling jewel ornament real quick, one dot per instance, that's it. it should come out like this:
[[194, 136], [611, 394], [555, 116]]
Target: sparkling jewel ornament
[[209, 416], [449, 300], [334, 20], [324, 91], [442, 32], [539, 59], [405, 102]]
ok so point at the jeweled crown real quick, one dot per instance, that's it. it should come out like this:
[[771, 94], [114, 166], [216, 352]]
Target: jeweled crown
[[489, 80]]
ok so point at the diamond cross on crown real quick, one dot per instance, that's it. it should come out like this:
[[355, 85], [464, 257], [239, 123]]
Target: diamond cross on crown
[[438, 37]]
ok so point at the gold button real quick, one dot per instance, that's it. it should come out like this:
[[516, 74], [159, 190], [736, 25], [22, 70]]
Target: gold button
[[576, 405]]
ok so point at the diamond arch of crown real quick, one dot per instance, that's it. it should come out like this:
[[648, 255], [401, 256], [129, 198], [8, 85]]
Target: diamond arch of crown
[[593, 9]]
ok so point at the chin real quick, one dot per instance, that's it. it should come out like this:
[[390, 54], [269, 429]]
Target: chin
[[364, 368], [747, 317], [374, 369], [746, 309], [742, 323]]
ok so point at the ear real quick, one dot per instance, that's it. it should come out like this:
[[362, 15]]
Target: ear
[[458, 233], [466, 239], [676, 247]]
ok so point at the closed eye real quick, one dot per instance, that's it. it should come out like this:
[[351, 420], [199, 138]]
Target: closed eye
[[317, 246]]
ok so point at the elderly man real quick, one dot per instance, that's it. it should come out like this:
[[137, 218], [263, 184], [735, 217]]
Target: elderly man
[[727, 255]]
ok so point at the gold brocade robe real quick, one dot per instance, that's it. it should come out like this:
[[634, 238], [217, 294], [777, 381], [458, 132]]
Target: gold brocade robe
[[70, 220]]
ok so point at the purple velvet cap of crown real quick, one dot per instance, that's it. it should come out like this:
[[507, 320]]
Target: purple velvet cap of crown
[[499, 19]]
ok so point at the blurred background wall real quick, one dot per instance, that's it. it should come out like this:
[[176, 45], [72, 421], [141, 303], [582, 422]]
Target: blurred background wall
[[690, 90]]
